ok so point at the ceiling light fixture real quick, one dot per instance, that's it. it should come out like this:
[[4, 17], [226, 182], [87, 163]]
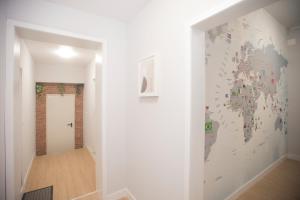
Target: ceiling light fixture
[[65, 52], [99, 59]]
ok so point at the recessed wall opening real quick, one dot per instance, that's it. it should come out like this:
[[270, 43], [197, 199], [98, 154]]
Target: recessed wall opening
[[58, 98], [239, 95]]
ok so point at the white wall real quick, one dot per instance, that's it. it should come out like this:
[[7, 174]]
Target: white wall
[[114, 33], [59, 73], [28, 110], [16, 168], [24, 117], [294, 96], [89, 108], [158, 129], [2, 72]]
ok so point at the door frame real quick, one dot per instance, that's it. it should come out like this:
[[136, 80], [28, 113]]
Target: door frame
[[195, 97], [101, 158], [41, 113]]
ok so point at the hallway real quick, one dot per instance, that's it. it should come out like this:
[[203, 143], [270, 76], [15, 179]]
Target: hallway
[[72, 174], [149, 100]]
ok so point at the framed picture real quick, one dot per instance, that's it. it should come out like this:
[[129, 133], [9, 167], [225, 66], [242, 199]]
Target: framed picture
[[147, 77]]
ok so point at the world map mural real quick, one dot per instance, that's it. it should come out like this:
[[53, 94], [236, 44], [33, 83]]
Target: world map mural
[[246, 91]]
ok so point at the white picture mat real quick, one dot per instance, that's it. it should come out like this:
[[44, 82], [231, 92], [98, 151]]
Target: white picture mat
[[142, 66]]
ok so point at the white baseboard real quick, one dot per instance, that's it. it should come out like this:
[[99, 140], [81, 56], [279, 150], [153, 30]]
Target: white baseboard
[[93, 154], [116, 195], [294, 157], [85, 195], [255, 179], [130, 195], [120, 194], [27, 173]]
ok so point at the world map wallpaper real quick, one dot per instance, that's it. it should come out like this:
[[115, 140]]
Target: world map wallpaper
[[246, 101]]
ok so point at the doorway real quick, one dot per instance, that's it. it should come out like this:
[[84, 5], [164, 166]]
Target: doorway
[[60, 118], [52, 100]]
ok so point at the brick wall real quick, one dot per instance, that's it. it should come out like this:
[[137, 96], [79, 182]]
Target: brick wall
[[53, 88]]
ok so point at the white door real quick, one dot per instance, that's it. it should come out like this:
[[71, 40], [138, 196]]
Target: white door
[[60, 123]]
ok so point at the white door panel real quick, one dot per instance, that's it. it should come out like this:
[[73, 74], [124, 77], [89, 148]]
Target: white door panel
[[60, 123]]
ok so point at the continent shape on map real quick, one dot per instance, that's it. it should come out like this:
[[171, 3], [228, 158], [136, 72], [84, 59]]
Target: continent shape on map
[[279, 123], [211, 133], [216, 32], [262, 68]]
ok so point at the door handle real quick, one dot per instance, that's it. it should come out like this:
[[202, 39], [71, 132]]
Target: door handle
[[70, 124]]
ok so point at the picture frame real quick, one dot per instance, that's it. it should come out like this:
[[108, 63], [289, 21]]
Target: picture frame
[[148, 76]]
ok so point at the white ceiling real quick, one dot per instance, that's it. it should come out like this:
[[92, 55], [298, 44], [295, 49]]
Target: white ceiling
[[43, 54], [287, 12], [42, 47], [40, 36], [119, 9]]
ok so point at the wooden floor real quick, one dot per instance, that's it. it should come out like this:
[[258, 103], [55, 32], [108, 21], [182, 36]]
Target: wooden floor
[[282, 183], [72, 174]]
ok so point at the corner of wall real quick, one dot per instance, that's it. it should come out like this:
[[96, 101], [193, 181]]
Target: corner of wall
[[2, 106], [294, 157], [27, 174], [254, 180], [93, 153], [121, 194]]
